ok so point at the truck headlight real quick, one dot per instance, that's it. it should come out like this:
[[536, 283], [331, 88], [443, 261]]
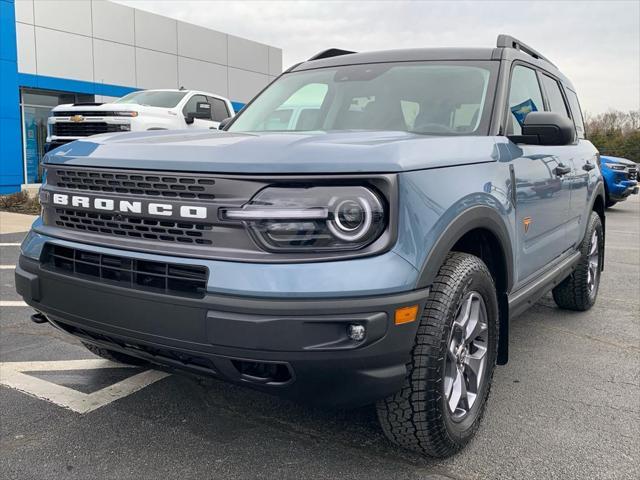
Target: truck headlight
[[323, 218]]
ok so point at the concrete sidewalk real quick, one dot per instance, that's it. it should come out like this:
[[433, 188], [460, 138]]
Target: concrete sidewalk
[[15, 222]]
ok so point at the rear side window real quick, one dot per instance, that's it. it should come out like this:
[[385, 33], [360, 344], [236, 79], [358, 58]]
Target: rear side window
[[524, 97], [576, 113], [554, 95], [220, 111]]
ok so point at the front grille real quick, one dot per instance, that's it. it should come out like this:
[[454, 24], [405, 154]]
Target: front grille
[[633, 174], [171, 186], [161, 277], [84, 129], [135, 227]]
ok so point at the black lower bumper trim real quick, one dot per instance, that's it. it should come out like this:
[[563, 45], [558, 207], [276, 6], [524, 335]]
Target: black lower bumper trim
[[298, 348]]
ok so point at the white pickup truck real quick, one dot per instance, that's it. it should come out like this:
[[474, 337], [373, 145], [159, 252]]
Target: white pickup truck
[[137, 111]]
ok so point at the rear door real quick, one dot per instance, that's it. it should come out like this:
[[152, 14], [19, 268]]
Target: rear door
[[542, 189], [219, 109], [585, 175]]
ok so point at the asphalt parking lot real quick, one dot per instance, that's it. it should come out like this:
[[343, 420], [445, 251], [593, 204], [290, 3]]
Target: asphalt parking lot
[[566, 406]]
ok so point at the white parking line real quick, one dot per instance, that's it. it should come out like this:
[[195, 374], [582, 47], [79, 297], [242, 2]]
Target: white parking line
[[11, 303], [7, 267], [9, 244], [12, 374]]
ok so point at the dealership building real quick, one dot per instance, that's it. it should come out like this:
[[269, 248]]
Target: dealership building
[[67, 51]]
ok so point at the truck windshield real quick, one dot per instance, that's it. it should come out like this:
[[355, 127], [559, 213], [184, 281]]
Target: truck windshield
[[432, 98], [153, 98]]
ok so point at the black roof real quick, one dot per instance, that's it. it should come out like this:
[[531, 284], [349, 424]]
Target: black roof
[[404, 55], [507, 48]]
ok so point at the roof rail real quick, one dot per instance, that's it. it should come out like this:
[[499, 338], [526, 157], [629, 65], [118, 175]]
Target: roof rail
[[507, 41], [332, 52]]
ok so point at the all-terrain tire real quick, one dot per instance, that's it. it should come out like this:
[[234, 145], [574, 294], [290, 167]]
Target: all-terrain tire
[[418, 417], [576, 292], [114, 356]]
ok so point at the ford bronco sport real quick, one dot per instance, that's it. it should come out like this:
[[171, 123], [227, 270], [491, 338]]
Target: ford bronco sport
[[373, 253]]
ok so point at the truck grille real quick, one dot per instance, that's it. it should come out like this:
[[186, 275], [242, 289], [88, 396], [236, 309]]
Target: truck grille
[[173, 186], [633, 173], [161, 277], [135, 227], [83, 129]]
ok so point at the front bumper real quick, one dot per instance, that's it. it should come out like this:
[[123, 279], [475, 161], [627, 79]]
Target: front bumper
[[623, 190], [298, 348]]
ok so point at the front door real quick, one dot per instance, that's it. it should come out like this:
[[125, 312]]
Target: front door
[[542, 186], [191, 107]]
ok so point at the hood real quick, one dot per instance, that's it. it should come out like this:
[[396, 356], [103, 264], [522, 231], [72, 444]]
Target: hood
[[215, 151], [620, 160], [94, 107], [113, 107]]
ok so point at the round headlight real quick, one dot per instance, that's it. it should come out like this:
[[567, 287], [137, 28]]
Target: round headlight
[[353, 217], [350, 215]]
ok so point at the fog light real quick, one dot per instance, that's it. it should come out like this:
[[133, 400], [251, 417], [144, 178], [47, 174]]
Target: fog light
[[356, 332]]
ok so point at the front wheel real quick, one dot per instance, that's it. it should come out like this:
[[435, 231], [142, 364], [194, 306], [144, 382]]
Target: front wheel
[[440, 406]]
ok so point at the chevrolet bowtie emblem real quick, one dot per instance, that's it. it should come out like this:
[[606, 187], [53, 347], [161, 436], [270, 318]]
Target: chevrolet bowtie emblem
[[77, 118], [526, 221]]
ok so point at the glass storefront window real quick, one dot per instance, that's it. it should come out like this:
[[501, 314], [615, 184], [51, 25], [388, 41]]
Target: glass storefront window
[[36, 105]]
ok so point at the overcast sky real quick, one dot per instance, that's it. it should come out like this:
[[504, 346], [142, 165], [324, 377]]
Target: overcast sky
[[595, 43]]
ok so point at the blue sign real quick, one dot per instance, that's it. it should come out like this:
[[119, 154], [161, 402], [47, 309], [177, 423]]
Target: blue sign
[[521, 110]]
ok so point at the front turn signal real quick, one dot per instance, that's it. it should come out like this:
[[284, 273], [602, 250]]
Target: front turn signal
[[406, 314]]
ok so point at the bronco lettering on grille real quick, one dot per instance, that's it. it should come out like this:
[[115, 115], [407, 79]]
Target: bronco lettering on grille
[[123, 206]]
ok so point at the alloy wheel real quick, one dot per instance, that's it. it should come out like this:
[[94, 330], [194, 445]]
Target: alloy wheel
[[593, 267], [466, 359]]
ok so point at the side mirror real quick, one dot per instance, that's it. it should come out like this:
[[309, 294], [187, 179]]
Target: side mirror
[[203, 111], [224, 123], [546, 128]]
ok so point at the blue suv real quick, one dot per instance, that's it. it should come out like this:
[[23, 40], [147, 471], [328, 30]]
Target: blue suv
[[370, 251], [620, 178]]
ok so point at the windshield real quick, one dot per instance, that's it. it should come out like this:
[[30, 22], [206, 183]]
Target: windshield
[[153, 98], [445, 98]]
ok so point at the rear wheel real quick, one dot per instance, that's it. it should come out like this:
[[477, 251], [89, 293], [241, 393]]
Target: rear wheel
[[580, 289], [114, 356], [440, 406]]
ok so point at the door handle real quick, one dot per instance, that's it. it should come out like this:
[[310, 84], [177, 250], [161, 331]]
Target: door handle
[[561, 170], [587, 167]]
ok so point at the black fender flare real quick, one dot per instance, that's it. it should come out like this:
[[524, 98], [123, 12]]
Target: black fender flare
[[478, 216], [599, 190]]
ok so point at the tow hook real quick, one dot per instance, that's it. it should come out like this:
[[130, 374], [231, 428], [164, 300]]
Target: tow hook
[[39, 318]]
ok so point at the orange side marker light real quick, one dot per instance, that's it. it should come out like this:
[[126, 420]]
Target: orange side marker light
[[406, 314]]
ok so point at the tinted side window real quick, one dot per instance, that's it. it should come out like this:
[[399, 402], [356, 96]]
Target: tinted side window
[[576, 113], [220, 111], [554, 95], [192, 103], [524, 97]]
